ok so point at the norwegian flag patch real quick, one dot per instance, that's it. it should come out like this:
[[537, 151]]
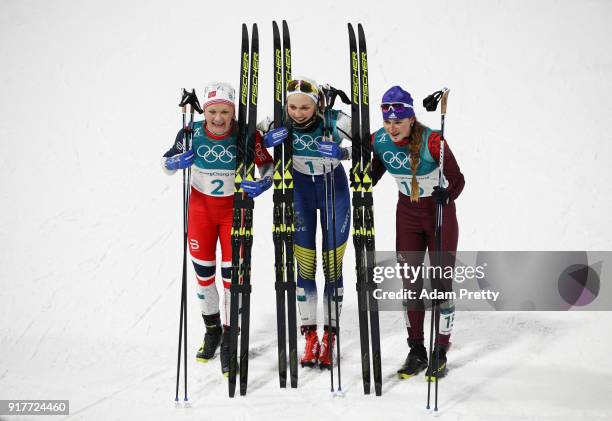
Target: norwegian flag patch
[[212, 94]]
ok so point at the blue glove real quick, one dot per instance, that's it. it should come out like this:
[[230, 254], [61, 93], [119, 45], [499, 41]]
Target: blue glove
[[180, 162], [275, 137], [330, 150], [255, 188]]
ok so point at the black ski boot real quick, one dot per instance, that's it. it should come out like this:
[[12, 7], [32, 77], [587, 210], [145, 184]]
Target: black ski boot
[[416, 361], [212, 337], [224, 353], [439, 371]]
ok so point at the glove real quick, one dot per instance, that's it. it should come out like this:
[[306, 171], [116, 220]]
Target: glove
[[441, 195], [255, 188], [180, 162], [275, 137], [330, 150]]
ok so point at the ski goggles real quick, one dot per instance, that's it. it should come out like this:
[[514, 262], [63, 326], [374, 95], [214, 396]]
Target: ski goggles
[[394, 106], [302, 86]]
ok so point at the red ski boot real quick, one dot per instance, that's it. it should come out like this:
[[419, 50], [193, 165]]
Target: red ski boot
[[324, 356], [312, 348]]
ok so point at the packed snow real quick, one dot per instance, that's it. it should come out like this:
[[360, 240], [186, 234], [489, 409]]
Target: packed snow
[[91, 232]]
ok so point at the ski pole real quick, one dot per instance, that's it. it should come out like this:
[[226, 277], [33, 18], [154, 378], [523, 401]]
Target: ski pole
[[430, 103], [335, 279], [327, 278], [187, 98], [183, 105], [327, 117]]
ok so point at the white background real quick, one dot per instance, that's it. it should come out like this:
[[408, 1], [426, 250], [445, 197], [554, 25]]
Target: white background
[[90, 234]]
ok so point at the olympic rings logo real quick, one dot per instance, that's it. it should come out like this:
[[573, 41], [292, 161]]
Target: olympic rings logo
[[217, 153], [306, 142], [396, 160]]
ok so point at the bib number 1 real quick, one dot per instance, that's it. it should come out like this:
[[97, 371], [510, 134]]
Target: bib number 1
[[310, 166]]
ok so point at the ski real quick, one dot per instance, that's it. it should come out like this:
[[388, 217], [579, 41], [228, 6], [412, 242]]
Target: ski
[[368, 210], [289, 222], [355, 178], [363, 212], [242, 222], [278, 225], [282, 232]]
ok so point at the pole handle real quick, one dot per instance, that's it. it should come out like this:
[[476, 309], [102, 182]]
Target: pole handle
[[444, 100]]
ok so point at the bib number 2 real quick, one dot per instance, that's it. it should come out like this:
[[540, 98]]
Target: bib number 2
[[217, 191]]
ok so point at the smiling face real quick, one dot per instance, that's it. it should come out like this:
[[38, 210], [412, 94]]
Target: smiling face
[[301, 108], [399, 129], [219, 118]]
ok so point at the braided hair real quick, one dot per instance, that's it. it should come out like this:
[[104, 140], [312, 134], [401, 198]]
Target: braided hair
[[415, 139]]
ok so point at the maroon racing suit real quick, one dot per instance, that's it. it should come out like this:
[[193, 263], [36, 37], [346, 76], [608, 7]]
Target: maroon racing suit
[[416, 220]]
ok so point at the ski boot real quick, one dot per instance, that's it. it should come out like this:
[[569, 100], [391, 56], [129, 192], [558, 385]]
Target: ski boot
[[311, 350], [212, 338], [326, 343], [224, 353], [439, 371], [416, 361]]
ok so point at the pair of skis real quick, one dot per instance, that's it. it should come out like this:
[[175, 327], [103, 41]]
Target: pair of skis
[[363, 211], [283, 216], [242, 222]]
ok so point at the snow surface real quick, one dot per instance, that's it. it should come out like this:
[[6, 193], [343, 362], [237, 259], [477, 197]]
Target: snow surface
[[91, 229]]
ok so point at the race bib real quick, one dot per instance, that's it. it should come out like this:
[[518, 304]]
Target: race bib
[[213, 182], [426, 183]]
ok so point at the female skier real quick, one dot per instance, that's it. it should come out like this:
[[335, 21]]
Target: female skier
[[213, 156], [314, 156], [410, 152]]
